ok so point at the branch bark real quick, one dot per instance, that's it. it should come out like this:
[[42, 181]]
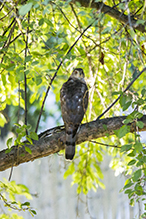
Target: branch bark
[[111, 11], [53, 141]]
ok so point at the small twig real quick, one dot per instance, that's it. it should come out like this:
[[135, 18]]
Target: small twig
[[108, 145], [6, 14], [8, 27], [101, 98], [10, 206], [74, 12], [18, 113], [11, 170], [7, 42], [2, 6], [25, 78], [15, 38], [133, 15], [121, 94]]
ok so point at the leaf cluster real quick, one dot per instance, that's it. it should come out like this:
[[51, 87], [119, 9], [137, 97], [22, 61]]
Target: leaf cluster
[[8, 193]]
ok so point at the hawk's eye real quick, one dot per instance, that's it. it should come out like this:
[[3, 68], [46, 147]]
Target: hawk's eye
[[76, 72]]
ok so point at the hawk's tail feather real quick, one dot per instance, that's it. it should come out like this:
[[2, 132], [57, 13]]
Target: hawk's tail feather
[[70, 144], [69, 152]]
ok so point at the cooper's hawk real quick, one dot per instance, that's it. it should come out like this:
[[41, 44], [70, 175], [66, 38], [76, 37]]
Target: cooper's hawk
[[74, 102]]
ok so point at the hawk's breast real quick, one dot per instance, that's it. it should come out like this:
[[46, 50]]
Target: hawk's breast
[[74, 100]]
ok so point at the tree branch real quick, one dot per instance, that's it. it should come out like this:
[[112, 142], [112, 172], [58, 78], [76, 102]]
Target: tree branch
[[111, 11], [51, 141]]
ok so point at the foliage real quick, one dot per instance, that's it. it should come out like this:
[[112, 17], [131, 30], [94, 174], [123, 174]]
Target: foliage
[[40, 36], [8, 191], [12, 216]]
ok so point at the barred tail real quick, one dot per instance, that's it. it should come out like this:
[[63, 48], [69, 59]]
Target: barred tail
[[70, 144]]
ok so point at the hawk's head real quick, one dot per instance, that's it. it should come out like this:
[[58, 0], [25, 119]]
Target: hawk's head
[[78, 73]]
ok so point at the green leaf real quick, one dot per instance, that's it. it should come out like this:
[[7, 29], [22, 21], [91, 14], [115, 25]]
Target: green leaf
[[140, 22], [132, 154], [98, 171], [135, 114], [28, 150], [132, 162], [105, 127], [138, 147], [127, 121], [98, 156], [139, 102], [82, 13], [128, 191], [143, 159], [79, 190], [137, 175], [41, 21], [28, 58], [8, 151], [4, 79], [143, 92], [34, 63], [65, 47], [70, 170], [33, 135], [116, 93], [132, 202], [126, 105], [29, 140], [128, 185], [2, 120], [9, 142], [38, 80], [34, 212], [126, 147], [144, 108], [122, 100], [25, 9], [139, 189], [123, 131], [48, 22], [125, 101], [25, 204], [22, 155], [106, 30], [140, 124], [101, 185], [32, 98]]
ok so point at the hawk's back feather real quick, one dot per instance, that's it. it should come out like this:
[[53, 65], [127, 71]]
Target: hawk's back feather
[[74, 102]]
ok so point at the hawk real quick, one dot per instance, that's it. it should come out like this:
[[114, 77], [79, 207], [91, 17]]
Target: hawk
[[74, 102]]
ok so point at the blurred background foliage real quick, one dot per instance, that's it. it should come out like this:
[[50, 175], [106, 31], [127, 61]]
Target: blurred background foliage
[[111, 54]]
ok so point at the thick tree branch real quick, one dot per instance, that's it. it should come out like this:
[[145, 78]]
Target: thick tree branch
[[52, 142], [111, 11]]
